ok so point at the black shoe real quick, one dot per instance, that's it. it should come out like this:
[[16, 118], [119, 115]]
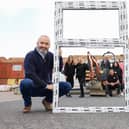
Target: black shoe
[[68, 95], [110, 95], [81, 96]]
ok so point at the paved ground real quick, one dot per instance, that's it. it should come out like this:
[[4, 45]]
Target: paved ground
[[11, 116]]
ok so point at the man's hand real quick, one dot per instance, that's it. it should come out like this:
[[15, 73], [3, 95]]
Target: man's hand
[[49, 86], [112, 84]]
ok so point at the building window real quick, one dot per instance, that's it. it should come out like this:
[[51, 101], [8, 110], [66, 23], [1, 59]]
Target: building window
[[17, 67]]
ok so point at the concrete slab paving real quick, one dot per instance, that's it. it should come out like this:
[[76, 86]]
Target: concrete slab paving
[[11, 117]]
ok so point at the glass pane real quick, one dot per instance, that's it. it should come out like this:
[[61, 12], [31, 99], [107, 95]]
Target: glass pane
[[96, 92], [86, 24]]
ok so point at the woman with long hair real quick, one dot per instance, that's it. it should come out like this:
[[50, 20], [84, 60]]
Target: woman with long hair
[[69, 71], [118, 71]]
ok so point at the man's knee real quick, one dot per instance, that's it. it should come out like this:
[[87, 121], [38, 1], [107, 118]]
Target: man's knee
[[26, 83], [66, 86]]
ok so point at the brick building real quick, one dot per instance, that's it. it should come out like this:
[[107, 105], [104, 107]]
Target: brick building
[[11, 70]]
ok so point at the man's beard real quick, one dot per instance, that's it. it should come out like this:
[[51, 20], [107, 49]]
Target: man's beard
[[43, 51]]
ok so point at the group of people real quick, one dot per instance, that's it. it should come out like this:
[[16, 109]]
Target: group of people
[[38, 67], [112, 77]]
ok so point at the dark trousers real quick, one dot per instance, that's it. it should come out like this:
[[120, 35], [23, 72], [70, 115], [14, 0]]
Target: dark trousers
[[121, 84], [110, 88], [28, 90], [70, 80], [82, 84]]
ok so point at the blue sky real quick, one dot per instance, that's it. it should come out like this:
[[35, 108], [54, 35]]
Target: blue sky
[[17, 30], [18, 22], [22, 22]]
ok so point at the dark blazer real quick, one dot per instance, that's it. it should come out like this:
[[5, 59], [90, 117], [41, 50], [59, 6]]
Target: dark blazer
[[69, 69], [39, 69], [81, 69]]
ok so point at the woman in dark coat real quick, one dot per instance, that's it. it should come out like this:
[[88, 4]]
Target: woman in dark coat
[[118, 71], [69, 71]]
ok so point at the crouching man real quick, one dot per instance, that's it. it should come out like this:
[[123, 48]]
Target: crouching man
[[113, 82], [38, 65]]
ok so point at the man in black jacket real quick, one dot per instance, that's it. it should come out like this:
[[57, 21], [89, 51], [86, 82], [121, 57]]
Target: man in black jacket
[[81, 68], [113, 82], [38, 65]]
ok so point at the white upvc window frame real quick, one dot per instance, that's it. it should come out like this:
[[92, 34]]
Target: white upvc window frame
[[122, 41]]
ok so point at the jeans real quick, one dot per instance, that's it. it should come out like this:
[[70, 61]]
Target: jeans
[[28, 90], [110, 88]]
